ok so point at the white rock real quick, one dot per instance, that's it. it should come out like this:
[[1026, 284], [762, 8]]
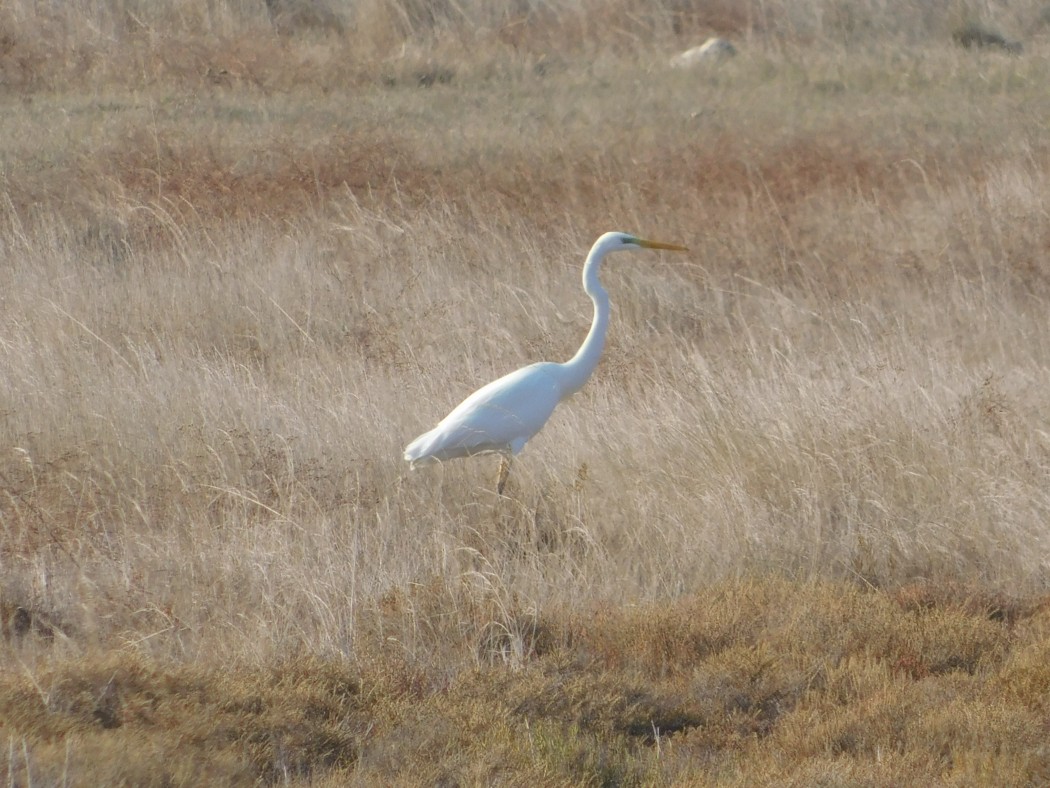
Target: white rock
[[711, 50]]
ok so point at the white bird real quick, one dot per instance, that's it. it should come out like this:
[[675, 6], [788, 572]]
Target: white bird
[[501, 416]]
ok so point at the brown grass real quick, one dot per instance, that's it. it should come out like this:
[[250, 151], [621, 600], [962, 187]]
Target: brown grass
[[851, 683], [793, 532]]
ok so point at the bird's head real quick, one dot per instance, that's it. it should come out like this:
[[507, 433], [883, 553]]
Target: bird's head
[[613, 242]]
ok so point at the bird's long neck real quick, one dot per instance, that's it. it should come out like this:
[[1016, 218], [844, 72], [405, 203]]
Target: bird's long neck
[[579, 368]]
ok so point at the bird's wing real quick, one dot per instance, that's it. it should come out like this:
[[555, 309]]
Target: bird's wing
[[499, 416]]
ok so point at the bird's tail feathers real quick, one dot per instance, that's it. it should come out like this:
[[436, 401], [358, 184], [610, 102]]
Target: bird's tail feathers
[[416, 452]]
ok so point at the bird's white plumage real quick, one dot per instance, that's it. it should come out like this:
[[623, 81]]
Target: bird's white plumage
[[504, 414], [499, 417]]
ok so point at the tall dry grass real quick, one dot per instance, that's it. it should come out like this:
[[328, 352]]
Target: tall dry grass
[[296, 45], [249, 264]]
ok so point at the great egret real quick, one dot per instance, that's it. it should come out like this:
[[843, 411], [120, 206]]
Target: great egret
[[501, 416]]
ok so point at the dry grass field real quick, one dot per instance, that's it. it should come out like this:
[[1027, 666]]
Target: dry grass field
[[795, 531]]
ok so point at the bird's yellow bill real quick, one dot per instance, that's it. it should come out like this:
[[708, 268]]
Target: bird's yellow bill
[[661, 245]]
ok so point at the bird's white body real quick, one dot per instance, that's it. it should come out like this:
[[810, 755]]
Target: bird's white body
[[503, 415], [499, 417]]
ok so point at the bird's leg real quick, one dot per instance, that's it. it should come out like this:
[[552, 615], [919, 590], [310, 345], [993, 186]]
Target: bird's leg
[[504, 472]]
